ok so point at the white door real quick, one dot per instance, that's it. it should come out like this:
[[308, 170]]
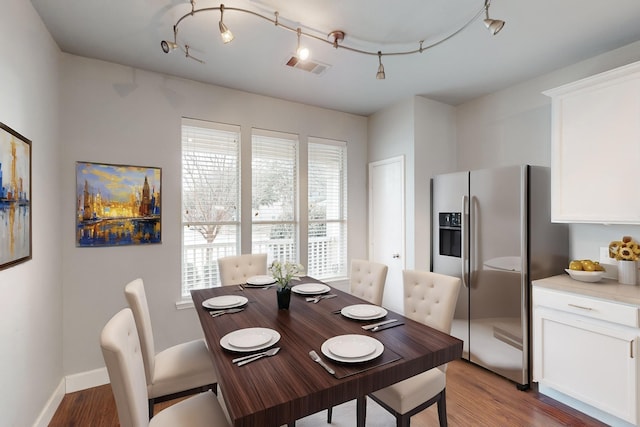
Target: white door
[[386, 225]]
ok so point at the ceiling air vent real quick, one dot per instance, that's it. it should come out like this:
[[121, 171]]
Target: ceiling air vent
[[310, 66]]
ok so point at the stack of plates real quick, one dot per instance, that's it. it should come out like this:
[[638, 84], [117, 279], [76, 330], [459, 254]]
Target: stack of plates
[[363, 312], [260, 280], [224, 301], [249, 339], [310, 289], [352, 348]]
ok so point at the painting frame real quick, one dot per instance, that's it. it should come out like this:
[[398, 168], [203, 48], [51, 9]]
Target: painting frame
[[117, 205], [16, 244]]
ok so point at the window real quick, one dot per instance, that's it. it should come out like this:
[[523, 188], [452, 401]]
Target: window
[[327, 225], [274, 166], [210, 200], [211, 194]]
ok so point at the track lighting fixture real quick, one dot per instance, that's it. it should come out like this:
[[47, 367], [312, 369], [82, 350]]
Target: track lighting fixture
[[334, 38], [225, 33], [493, 25], [380, 74], [301, 52]]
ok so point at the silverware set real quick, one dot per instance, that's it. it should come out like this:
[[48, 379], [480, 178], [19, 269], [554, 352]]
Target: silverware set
[[217, 313], [317, 298], [241, 361], [376, 326]]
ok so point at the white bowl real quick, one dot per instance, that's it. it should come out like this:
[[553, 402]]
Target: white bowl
[[585, 276]]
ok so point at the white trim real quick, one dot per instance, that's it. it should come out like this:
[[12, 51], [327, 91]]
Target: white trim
[[87, 379], [184, 304], [50, 408]]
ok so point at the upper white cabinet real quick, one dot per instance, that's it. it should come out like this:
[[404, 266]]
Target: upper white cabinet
[[595, 151]]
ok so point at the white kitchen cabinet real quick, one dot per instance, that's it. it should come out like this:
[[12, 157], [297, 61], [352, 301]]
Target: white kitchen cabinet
[[587, 348], [595, 148]]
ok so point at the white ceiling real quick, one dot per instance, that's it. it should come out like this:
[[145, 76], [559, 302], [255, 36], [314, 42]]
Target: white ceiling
[[539, 36]]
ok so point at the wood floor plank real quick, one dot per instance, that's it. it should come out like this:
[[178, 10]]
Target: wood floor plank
[[475, 397]]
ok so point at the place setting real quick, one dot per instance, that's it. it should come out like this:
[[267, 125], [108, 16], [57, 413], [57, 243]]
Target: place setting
[[225, 304], [251, 340], [352, 353], [260, 281]]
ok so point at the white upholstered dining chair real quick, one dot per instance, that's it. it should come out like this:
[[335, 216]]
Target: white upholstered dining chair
[[236, 269], [429, 298], [367, 279], [180, 370], [122, 354]]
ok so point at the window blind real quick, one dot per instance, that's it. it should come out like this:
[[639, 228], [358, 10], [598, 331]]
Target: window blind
[[327, 234], [210, 200]]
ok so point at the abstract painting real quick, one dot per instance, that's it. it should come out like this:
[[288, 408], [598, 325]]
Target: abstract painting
[[15, 197], [117, 205]]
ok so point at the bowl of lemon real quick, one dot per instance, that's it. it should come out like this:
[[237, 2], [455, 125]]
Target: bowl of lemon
[[585, 270]]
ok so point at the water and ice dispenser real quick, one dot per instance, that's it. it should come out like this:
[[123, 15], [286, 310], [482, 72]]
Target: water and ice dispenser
[[450, 228]]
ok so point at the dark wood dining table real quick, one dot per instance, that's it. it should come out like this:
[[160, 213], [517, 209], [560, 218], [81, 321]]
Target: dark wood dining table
[[278, 390]]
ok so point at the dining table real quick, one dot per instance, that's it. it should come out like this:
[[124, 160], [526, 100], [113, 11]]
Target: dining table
[[280, 389]]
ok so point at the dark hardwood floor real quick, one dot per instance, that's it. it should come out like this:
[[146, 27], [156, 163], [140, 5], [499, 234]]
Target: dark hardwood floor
[[475, 397]]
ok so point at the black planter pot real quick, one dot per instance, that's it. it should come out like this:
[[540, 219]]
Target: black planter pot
[[284, 298]]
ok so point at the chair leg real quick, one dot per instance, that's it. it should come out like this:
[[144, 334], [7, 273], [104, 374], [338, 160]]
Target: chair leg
[[361, 411], [442, 409], [151, 402], [329, 414]]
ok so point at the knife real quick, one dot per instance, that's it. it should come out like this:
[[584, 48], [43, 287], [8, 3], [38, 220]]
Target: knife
[[317, 359], [373, 325]]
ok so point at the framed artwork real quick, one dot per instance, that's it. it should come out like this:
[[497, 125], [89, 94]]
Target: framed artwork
[[15, 197], [117, 205]]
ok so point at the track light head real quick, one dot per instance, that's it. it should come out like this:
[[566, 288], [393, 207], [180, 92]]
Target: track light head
[[337, 36], [493, 25], [301, 52], [168, 46], [226, 34], [380, 74]]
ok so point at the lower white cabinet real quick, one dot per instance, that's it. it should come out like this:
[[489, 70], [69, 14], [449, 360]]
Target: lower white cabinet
[[587, 349]]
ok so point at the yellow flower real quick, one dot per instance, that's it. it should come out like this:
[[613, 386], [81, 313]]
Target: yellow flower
[[624, 250]]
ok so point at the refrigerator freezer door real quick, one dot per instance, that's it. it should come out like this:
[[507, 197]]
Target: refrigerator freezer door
[[450, 195], [497, 285]]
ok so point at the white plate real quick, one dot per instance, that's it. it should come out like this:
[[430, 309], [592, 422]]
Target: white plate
[[353, 348], [249, 339], [225, 301], [260, 280], [363, 312], [310, 289], [585, 276]]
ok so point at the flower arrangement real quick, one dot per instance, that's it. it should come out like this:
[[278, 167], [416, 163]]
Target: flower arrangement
[[624, 250], [285, 272]]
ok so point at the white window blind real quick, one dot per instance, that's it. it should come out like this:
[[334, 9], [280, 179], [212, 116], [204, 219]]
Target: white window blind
[[274, 165], [210, 200], [327, 250]]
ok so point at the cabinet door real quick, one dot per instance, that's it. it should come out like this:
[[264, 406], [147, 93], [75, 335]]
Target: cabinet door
[[592, 361], [596, 148]]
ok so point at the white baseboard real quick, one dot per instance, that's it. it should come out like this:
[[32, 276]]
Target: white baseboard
[[69, 384], [85, 380], [51, 406]]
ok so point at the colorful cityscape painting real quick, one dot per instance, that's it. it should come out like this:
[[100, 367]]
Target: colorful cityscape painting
[[117, 205], [15, 197]]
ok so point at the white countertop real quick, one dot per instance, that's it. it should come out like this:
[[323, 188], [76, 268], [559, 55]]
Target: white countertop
[[607, 289]]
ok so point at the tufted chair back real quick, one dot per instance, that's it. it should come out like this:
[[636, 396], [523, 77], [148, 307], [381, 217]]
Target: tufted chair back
[[137, 299], [430, 298], [121, 351], [235, 270], [367, 280]]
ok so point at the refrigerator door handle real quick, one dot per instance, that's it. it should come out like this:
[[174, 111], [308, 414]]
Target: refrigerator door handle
[[463, 251]]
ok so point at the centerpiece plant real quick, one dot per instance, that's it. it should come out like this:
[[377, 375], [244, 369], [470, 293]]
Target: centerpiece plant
[[284, 273]]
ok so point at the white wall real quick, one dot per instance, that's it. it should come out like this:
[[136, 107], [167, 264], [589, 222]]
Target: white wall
[[31, 292], [115, 114], [513, 126]]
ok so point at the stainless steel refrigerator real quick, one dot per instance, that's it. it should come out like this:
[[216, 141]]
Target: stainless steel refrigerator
[[492, 228]]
